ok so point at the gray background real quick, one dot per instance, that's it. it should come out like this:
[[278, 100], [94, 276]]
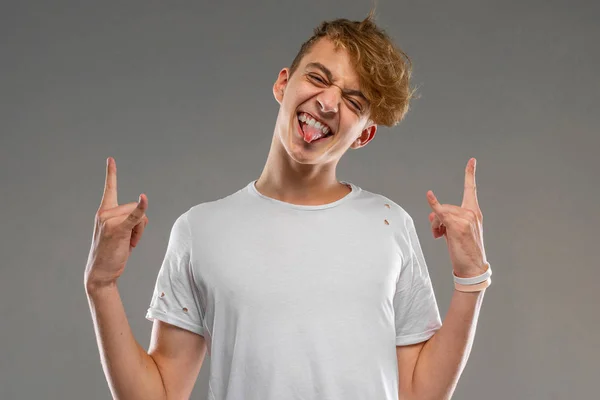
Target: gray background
[[180, 94]]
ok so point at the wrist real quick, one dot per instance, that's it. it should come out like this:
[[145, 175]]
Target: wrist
[[471, 271], [474, 283], [95, 286]]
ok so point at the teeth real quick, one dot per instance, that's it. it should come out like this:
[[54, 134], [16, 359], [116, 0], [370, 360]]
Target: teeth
[[312, 122]]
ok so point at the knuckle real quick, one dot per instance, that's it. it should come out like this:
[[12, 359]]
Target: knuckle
[[132, 217], [471, 216], [135, 216], [102, 217]]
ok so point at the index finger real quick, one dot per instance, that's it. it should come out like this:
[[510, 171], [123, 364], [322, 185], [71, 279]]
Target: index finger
[[470, 190], [109, 197]]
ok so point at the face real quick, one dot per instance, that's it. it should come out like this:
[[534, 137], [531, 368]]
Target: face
[[324, 89]]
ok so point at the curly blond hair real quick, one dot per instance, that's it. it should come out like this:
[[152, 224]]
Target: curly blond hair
[[384, 70]]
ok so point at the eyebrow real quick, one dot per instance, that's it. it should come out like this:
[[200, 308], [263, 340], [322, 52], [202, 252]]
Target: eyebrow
[[327, 72]]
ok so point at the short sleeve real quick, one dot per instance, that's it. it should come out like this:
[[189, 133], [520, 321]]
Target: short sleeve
[[175, 298], [416, 311]]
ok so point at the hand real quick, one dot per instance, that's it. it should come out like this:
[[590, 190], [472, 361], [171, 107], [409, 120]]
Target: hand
[[117, 230], [461, 227]]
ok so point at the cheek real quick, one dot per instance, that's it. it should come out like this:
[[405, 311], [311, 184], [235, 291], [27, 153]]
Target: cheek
[[349, 126], [299, 92], [300, 96]]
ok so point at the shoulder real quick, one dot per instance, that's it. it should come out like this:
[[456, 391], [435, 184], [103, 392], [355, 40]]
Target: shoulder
[[219, 209], [377, 202]]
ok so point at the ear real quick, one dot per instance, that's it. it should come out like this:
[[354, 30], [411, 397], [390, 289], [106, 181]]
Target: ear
[[280, 84], [365, 137]]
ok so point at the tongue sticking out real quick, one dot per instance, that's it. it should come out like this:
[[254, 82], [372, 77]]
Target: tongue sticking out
[[311, 133]]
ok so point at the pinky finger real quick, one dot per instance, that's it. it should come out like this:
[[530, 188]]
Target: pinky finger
[[137, 232], [440, 232]]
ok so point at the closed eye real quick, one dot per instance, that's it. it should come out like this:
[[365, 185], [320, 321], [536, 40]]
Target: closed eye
[[317, 78], [355, 104]]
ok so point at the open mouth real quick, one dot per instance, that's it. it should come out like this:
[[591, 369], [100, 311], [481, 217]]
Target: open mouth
[[313, 130]]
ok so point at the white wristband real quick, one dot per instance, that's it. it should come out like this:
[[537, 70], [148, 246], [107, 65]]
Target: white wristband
[[475, 279], [473, 288]]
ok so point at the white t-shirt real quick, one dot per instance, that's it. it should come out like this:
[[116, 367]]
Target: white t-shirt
[[298, 302]]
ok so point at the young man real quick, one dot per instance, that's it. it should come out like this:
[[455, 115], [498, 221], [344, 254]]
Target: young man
[[299, 286]]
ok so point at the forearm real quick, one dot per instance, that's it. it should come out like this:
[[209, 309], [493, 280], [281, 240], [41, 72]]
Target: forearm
[[130, 372], [444, 356]]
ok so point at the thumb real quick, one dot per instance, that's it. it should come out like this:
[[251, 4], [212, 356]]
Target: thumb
[[137, 214]]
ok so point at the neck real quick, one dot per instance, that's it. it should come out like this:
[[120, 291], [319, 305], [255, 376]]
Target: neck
[[287, 180]]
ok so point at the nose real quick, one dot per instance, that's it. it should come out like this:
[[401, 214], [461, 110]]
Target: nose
[[329, 100]]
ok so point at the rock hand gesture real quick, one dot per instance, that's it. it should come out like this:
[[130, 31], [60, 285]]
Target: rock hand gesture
[[462, 228], [117, 230]]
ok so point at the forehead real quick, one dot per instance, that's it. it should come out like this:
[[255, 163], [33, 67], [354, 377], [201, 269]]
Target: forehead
[[337, 60]]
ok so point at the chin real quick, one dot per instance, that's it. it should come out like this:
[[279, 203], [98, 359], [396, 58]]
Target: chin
[[299, 150]]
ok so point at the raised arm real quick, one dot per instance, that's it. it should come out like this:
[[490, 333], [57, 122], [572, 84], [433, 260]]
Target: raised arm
[[170, 368], [431, 370]]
